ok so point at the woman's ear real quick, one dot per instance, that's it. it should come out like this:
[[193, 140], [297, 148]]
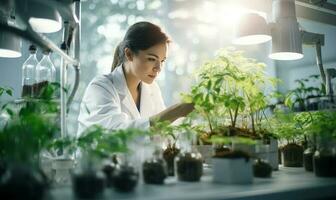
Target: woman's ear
[[128, 54]]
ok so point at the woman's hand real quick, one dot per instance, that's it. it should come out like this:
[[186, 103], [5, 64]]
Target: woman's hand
[[172, 113]]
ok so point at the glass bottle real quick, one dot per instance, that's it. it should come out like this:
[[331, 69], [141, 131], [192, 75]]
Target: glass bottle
[[28, 73], [45, 72]]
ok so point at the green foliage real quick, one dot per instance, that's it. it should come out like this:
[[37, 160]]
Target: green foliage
[[289, 126], [31, 125], [230, 85], [99, 142], [4, 90], [217, 139], [322, 124], [302, 92]]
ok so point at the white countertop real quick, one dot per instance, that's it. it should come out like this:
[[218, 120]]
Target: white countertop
[[287, 183]]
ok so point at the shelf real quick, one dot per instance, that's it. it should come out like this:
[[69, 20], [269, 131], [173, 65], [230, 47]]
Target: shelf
[[287, 183]]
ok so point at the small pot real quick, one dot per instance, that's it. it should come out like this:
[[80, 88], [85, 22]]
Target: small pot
[[262, 169], [23, 182], [125, 178], [108, 169], [169, 155], [88, 184], [267, 150], [234, 167], [189, 166], [154, 171], [308, 159], [324, 163], [292, 155]]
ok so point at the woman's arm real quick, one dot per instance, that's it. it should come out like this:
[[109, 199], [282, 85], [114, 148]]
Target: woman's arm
[[172, 113]]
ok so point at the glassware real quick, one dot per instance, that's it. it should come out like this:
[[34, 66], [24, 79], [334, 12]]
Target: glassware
[[45, 72], [28, 73]]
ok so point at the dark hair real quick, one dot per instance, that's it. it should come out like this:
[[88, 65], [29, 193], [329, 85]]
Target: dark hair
[[139, 36]]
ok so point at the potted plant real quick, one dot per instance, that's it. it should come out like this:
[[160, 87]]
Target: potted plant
[[28, 129], [155, 168], [262, 169], [324, 159], [171, 150], [290, 131], [304, 97], [231, 167]]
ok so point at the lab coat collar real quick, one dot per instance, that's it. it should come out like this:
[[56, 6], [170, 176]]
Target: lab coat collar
[[120, 84]]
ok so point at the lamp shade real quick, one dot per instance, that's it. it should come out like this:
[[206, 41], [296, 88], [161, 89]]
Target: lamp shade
[[10, 45], [43, 18], [252, 29], [286, 36]]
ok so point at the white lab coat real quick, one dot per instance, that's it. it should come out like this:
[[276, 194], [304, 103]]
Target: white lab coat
[[108, 102]]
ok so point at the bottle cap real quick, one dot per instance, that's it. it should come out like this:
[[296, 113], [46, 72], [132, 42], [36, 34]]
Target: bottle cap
[[32, 48]]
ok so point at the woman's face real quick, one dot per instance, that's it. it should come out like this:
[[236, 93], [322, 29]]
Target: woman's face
[[147, 64]]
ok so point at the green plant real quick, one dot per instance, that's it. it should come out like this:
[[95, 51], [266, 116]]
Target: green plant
[[302, 92], [29, 128], [230, 87], [6, 90], [99, 142], [290, 126]]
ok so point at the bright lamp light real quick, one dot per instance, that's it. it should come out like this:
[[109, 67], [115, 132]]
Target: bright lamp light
[[10, 45], [43, 18], [286, 36]]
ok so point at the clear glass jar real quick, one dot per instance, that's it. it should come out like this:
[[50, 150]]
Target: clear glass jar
[[189, 165], [45, 72], [155, 169], [28, 73]]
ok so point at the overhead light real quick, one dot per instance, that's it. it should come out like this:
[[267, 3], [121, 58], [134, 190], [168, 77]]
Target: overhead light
[[286, 36], [43, 18], [252, 29], [10, 45]]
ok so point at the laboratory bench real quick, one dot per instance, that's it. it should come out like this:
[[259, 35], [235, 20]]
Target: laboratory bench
[[286, 183]]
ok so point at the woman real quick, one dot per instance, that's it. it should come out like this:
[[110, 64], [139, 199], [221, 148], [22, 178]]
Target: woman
[[129, 97]]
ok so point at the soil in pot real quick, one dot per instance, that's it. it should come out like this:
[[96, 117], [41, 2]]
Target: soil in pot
[[154, 171], [308, 159], [125, 178], [189, 166], [108, 168], [324, 164], [292, 155], [262, 169], [23, 182], [88, 184], [169, 155], [220, 150]]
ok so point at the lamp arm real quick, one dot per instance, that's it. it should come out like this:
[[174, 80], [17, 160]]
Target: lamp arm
[[319, 62]]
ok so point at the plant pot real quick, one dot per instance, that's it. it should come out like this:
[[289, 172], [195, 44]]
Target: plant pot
[[88, 184], [232, 168], [189, 166], [248, 148], [62, 169], [23, 182], [108, 169], [308, 159], [206, 151], [268, 151], [125, 178], [262, 169], [324, 163], [169, 155], [154, 171], [292, 155]]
